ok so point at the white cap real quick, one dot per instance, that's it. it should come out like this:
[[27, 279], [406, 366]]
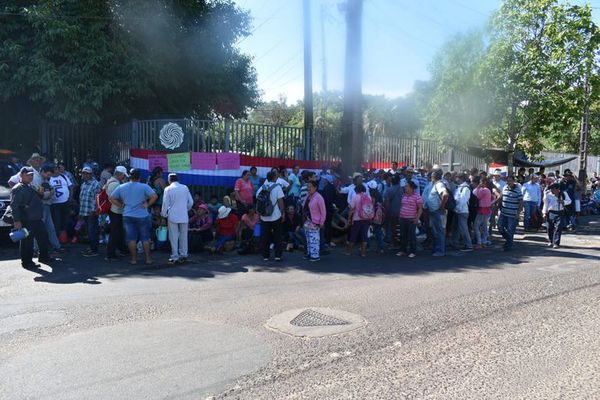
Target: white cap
[[87, 169], [121, 169]]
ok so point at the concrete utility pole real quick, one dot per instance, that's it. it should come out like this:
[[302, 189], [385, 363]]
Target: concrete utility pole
[[324, 51], [352, 135], [308, 91]]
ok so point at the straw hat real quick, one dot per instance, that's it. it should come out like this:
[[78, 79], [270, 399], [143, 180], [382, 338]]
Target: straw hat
[[224, 212], [36, 155]]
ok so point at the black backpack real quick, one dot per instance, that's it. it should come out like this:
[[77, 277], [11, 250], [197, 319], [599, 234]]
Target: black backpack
[[264, 205], [473, 201], [451, 203]]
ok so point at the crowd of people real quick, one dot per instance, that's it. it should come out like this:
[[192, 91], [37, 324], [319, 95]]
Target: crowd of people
[[404, 211]]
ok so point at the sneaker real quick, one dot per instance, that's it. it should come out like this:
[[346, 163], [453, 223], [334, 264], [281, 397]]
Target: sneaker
[[467, 249], [549, 245], [183, 260], [401, 254], [278, 259], [91, 254], [556, 246], [314, 259], [265, 258], [289, 247], [172, 261], [412, 255]]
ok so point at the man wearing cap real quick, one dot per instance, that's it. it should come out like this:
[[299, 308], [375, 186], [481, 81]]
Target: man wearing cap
[[87, 209], [116, 240], [177, 201], [409, 176], [569, 184], [436, 204], [35, 161], [357, 179], [136, 198], [28, 212]]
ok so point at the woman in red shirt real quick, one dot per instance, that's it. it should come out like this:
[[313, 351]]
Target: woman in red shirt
[[227, 226], [244, 193]]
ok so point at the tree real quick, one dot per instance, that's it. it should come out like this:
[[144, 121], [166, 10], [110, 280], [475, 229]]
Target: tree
[[93, 61]]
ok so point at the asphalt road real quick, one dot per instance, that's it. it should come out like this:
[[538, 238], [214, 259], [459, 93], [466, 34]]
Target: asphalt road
[[487, 324]]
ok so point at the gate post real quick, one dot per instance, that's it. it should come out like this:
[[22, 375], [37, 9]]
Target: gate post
[[415, 156], [227, 135], [135, 134]]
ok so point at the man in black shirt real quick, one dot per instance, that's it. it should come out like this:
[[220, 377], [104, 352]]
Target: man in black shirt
[[28, 213]]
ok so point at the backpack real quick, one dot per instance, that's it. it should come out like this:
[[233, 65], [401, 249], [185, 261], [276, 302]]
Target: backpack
[[102, 203], [473, 201], [264, 205], [365, 207], [379, 215], [451, 203]]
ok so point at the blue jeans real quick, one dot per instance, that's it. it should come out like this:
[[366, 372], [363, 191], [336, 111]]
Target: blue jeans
[[92, 229], [378, 232], [555, 227], [137, 229], [460, 230], [436, 219], [507, 227], [49, 224], [530, 209]]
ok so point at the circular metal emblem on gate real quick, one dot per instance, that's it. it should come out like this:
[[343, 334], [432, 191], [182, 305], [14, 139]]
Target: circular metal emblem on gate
[[171, 136], [315, 322]]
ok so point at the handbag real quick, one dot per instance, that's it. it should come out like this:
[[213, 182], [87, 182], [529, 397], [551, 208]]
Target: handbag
[[7, 218]]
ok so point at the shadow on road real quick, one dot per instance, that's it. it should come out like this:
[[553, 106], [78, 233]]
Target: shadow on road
[[76, 269]]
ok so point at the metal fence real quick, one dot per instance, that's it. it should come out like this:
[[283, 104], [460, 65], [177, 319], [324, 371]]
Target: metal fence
[[73, 144], [593, 162]]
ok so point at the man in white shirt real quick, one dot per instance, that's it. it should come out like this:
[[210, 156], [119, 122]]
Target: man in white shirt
[[357, 178], [555, 201], [460, 228], [60, 203], [532, 195], [177, 201], [271, 225]]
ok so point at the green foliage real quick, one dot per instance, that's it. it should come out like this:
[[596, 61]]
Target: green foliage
[[91, 61], [519, 85]]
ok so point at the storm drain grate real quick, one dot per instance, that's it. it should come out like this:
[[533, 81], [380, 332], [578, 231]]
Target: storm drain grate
[[314, 318]]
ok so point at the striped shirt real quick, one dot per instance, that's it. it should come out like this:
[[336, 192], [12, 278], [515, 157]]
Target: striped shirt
[[423, 181], [87, 197], [511, 200], [410, 206]]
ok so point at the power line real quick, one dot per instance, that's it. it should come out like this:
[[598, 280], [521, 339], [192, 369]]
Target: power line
[[262, 23]]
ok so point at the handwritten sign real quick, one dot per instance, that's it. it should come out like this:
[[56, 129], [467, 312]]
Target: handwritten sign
[[205, 161], [158, 161], [178, 161], [228, 161]]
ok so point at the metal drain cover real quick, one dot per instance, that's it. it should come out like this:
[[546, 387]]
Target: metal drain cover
[[315, 322], [314, 318]]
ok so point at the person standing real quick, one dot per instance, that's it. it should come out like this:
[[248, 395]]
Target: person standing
[[136, 198], [512, 202], [87, 209], [460, 228], [60, 203], [436, 205], [271, 211], [555, 202], [48, 193], [36, 161], [314, 213], [244, 193], [177, 201], [116, 240], [106, 173], [484, 210], [28, 212], [532, 196], [392, 202], [329, 196], [410, 212], [359, 217], [295, 185]]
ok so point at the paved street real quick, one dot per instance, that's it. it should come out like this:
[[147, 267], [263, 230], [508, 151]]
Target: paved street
[[523, 325]]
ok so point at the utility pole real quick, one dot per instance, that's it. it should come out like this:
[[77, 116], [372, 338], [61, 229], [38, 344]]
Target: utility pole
[[352, 135], [308, 91], [324, 52], [585, 131]]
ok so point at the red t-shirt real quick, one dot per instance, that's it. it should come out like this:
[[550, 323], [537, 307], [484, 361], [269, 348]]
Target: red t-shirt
[[246, 190], [226, 226]]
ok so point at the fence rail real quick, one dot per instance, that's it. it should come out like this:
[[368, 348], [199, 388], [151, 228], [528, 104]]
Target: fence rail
[[73, 144]]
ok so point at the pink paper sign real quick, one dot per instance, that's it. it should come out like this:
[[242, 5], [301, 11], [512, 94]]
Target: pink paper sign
[[158, 161], [228, 161], [205, 161]]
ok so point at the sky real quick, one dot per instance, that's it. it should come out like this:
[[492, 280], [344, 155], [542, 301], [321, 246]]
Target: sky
[[400, 38]]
